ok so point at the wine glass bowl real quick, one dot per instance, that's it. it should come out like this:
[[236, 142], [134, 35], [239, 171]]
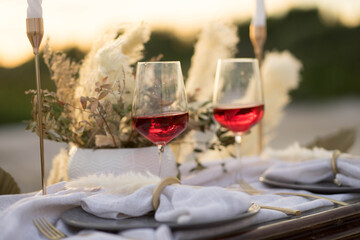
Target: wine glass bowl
[[159, 110]]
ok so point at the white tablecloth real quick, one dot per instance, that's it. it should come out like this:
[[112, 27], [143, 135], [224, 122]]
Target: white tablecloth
[[18, 211]]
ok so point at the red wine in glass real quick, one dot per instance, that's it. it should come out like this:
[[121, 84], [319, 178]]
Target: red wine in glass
[[159, 110], [161, 128], [239, 119]]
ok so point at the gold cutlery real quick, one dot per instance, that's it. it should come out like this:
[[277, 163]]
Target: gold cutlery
[[47, 229]]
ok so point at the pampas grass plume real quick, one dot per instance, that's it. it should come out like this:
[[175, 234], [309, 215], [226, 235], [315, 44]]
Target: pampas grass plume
[[217, 40], [296, 153], [58, 171], [122, 184]]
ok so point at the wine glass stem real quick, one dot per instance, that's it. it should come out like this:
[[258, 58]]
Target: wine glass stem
[[160, 151], [238, 140]]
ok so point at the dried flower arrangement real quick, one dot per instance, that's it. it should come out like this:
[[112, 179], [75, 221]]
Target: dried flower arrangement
[[92, 104], [91, 107]]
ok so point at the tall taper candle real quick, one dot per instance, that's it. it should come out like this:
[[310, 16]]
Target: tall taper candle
[[258, 29], [35, 33], [258, 36], [34, 9], [259, 18]]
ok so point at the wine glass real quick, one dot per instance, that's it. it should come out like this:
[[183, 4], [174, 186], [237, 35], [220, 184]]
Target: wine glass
[[238, 99], [159, 110]]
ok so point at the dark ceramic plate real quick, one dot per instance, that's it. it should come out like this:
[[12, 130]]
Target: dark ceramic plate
[[325, 187], [77, 217]]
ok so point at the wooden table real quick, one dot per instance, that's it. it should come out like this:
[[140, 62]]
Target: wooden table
[[336, 223]]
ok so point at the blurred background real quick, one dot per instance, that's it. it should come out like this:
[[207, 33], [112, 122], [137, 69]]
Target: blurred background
[[323, 34]]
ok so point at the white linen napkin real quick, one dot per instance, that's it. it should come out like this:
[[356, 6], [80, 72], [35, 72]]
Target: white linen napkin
[[16, 218], [315, 171], [17, 213], [178, 203]]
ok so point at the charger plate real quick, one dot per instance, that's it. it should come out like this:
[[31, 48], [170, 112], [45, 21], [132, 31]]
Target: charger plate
[[77, 217], [324, 187]]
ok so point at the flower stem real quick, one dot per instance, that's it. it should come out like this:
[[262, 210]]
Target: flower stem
[[107, 126]]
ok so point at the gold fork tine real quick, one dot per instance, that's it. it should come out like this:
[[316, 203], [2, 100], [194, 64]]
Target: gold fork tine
[[40, 228], [54, 228], [48, 229]]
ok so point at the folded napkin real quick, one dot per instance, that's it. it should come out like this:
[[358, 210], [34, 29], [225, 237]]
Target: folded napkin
[[17, 213], [182, 204], [315, 171]]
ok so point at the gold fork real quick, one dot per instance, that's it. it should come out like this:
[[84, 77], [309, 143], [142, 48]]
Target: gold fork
[[47, 229]]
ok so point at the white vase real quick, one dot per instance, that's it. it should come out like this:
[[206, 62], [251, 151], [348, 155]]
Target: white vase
[[83, 162]]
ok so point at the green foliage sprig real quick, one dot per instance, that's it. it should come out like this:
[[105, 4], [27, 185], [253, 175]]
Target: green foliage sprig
[[104, 119]]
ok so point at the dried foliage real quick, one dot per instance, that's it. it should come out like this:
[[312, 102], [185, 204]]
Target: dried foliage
[[92, 104], [106, 121], [63, 71]]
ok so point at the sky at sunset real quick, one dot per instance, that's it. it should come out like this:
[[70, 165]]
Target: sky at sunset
[[78, 22]]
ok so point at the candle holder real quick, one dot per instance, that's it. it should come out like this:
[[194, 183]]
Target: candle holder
[[258, 38], [35, 33]]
